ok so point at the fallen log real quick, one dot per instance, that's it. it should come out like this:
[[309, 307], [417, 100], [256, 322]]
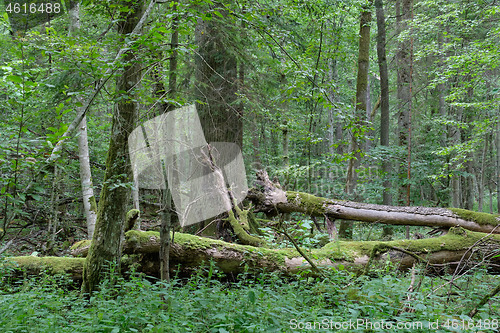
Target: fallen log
[[189, 252], [269, 198], [31, 265]]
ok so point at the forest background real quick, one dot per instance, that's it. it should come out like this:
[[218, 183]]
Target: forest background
[[406, 114]]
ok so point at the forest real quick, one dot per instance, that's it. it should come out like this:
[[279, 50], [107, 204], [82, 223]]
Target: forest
[[249, 166]]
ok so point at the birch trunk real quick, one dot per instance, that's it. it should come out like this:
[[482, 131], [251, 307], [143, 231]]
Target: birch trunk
[[89, 201]]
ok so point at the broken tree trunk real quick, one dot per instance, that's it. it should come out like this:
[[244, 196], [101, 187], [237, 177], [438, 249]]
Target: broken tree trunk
[[271, 199], [190, 251]]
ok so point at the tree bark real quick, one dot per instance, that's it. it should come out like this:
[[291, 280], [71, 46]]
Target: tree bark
[[89, 201], [403, 61], [190, 252], [216, 81], [384, 108], [114, 197], [346, 228], [271, 199], [498, 165], [361, 100]]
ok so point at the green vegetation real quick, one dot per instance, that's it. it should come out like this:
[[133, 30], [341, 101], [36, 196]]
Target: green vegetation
[[304, 98], [208, 302]]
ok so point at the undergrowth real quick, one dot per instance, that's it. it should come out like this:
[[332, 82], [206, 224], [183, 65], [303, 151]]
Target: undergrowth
[[254, 303]]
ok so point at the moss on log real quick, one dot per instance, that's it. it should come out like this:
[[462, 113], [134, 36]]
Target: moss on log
[[269, 198], [81, 248], [52, 265], [190, 251]]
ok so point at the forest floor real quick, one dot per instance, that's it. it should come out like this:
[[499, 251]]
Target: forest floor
[[208, 301]]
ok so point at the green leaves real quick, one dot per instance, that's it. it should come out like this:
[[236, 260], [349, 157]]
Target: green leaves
[[15, 79]]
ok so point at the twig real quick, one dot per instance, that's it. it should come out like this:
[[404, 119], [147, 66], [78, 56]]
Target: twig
[[484, 300], [302, 253], [411, 289], [457, 271], [6, 246]]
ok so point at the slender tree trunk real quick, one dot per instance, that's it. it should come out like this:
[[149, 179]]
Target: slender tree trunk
[[481, 172], [332, 121], [167, 206], [370, 114], [455, 135], [54, 198], [346, 228], [106, 245], [404, 82], [384, 109], [335, 123], [174, 55], [361, 94], [89, 201], [165, 230], [468, 182], [441, 90], [74, 17], [403, 61], [286, 160], [498, 165], [254, 120]]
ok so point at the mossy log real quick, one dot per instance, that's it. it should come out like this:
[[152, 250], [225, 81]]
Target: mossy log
[[188, 252], [31, 265], [269, 198]]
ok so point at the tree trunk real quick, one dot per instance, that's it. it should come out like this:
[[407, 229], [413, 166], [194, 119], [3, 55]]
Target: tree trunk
[[346, 228], [89, 202], [361, 100], [384, 109], [54, 198], [216, 82], [286, 160], [114, 197], [403, 63], [455, 135], [272, 199], [216, 85], [190, 252], [481, 184], [498, 165], [168, 213]]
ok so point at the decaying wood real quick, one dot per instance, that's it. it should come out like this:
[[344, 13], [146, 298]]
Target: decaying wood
[[190, 251], [271, 199], [452, 249]]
